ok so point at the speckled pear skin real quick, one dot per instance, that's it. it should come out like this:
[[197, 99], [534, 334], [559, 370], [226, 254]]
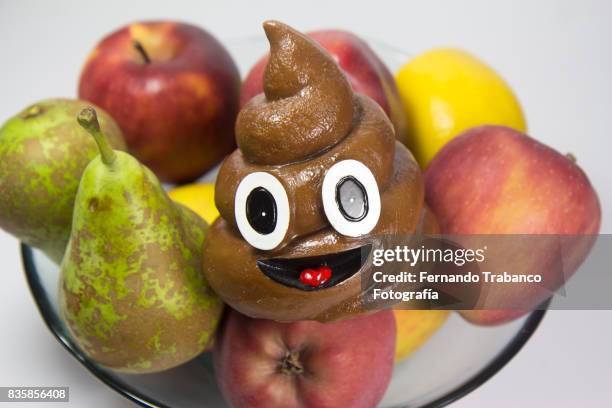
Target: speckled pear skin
[[43, 152], [132, 291]]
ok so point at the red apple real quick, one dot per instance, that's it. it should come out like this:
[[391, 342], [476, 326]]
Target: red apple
[[173, 89], [496, 180], [261, 363], [365, 70]]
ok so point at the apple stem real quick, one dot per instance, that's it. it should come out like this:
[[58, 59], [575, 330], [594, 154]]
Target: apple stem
[[143, 53], [571, 157], [290, 364], [88, 119]]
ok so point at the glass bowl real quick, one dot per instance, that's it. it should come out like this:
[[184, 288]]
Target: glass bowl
[[455, 361]]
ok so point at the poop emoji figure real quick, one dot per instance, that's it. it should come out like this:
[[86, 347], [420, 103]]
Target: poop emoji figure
[[317, 179]]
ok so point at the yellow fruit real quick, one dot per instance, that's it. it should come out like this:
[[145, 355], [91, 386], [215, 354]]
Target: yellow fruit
[[446, 91], [414, 327], [199, 198]]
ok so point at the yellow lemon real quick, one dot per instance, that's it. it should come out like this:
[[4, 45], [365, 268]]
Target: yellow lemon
[[199, 198], [446, 91], [415, 327]]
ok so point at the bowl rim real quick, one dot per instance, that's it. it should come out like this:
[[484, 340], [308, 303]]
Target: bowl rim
[[55, 326]]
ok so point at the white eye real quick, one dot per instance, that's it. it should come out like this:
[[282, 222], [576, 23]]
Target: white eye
[[350, 198], [262, 210]]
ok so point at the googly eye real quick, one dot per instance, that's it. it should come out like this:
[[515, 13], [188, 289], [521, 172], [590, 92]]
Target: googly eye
[[351, 199], [262, 210]]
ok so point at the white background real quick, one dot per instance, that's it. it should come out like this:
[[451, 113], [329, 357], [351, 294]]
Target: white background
[[557, 55]]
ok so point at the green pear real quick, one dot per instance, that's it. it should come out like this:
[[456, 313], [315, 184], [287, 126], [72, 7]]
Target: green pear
[[43, 152], [132, 291]]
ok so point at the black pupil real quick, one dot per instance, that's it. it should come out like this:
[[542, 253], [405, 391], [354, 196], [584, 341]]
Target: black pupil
[[261, 210], [352, 199]]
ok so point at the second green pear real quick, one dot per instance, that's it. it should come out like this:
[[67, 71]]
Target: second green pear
[[43, 152]]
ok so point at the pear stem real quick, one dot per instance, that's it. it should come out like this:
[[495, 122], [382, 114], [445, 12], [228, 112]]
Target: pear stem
[[88, 119], [141, 50]]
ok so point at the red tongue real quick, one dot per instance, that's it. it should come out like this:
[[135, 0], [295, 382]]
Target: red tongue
[[315, 277]]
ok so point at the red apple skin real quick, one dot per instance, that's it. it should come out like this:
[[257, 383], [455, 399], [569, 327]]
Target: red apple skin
[[253, 82], [365, 70], [496, 180], [178, 111], [347, 363]]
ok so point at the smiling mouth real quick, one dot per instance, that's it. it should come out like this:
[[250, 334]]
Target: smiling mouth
[[289, 271]]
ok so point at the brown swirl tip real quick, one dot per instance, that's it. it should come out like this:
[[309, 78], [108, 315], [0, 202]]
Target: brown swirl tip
[[307, 106]]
